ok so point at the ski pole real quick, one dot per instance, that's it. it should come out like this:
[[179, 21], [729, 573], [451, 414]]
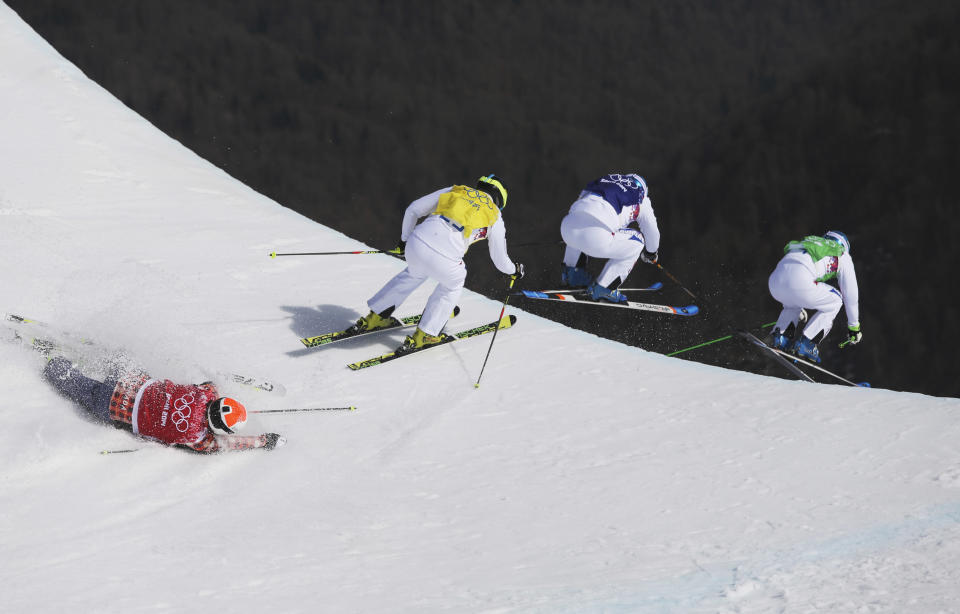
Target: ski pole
[[282, 411], [118, 451], [676, 281], [513, 278], [369, 251], [700, 345]]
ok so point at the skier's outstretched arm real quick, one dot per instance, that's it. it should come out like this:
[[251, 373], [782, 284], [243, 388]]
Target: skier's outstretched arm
[[497, 244], [847, 279], [221, 443], [647, 222]]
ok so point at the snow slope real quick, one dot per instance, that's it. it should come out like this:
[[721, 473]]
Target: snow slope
[[582, 476]]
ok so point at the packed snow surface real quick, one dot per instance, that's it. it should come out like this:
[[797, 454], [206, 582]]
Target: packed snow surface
[[582, 475]]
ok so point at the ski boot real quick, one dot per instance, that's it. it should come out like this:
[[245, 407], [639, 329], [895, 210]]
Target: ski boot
[[574, 277], [419, 340], [778, 340], [373, 321], [806, 348], [602, 293], [58, 368], [785, 340]]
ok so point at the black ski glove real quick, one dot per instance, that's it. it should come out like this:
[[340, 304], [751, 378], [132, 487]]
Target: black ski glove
[[518, 274], [272, 440], [399, 250], [854, 336], [649, 258]]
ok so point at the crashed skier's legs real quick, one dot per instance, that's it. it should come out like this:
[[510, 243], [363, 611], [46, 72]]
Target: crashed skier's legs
[[92, 395]]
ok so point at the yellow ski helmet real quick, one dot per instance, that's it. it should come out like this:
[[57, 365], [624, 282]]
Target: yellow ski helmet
[[492, 185]]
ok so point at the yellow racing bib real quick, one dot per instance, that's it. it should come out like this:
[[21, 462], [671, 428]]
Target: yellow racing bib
[[469, 208]]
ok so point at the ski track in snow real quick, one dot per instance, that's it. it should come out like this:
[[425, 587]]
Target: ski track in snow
[[581, 476]]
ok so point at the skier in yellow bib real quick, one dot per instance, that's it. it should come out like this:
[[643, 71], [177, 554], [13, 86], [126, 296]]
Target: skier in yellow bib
[[456, 217]]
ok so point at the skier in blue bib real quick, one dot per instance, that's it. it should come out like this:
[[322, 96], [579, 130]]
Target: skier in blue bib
[[799, 283], [598, 226]]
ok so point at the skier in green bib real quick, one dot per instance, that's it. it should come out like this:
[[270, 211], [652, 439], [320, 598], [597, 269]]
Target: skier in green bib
[[799, 283], [455, 218]]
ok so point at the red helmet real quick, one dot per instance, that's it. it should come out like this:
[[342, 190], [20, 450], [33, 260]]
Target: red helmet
[[225, 415]]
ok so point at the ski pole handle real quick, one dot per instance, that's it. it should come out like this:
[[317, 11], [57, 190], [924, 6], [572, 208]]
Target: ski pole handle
[[854, 336]]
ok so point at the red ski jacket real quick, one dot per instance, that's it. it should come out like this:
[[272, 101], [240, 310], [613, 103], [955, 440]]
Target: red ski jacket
[[173, 414]]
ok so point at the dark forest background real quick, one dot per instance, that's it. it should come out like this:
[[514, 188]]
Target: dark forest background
[[754, 123]]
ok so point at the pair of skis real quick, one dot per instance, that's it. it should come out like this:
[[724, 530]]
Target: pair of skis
[[567, 295], [792, 363], [45, 339], [505, 322], [578, 296], [342, 335], [397, 324]]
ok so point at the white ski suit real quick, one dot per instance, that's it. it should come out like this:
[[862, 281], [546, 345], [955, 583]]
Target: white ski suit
[[798, 282], [435, 249], [597, 225]]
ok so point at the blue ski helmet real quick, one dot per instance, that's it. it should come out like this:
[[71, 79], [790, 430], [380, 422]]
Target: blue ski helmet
[[642, 184], [839, 237], [493, 185]]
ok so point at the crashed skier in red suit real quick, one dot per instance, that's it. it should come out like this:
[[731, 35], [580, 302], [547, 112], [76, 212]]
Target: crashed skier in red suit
[[190, 416]]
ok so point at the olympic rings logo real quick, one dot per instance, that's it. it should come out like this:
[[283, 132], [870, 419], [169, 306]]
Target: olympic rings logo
[[624, 182], [476, 195], [182, 409]]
